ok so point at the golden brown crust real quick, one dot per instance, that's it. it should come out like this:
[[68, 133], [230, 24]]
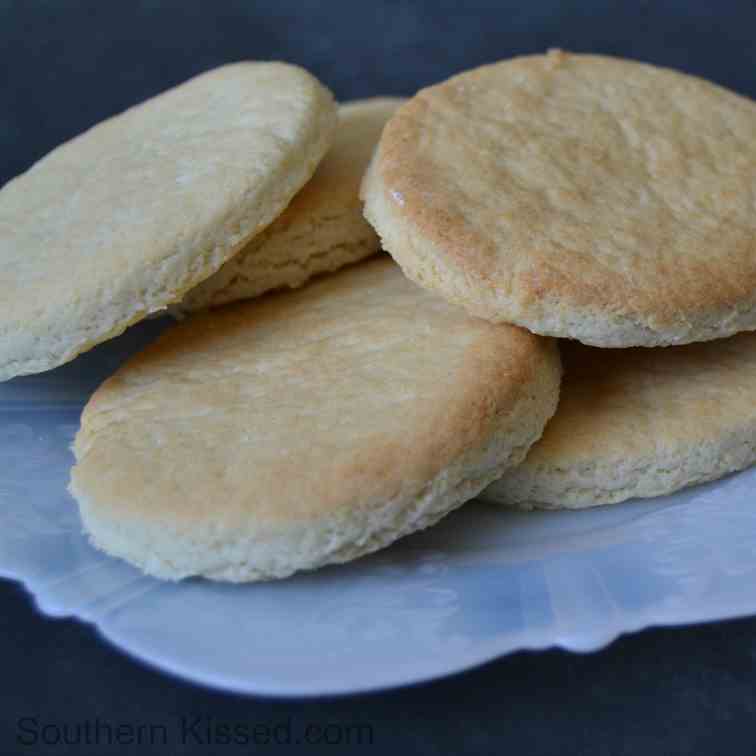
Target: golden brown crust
[[576, 195], [346, 401]]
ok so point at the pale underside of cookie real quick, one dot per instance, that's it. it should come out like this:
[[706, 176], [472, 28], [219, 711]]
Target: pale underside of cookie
[[639, 423], [322, 229], [576, 195], [122, 220], [305, 428]]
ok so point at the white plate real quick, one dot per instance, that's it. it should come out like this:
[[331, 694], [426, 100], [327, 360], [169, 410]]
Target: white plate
[[480, 584]]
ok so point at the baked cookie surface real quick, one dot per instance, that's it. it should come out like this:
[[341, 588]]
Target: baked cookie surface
[[578, 196], [305, 428], [640, 422], [122, 220]]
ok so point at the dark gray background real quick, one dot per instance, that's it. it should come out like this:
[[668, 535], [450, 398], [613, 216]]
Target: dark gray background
[[66, 65]]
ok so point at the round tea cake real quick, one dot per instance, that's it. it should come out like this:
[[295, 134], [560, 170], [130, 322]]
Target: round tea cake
[[578, 196], [640, 422], [122, 220], [306, 428]]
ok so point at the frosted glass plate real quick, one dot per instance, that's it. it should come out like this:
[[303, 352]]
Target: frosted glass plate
[[481, 584]]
